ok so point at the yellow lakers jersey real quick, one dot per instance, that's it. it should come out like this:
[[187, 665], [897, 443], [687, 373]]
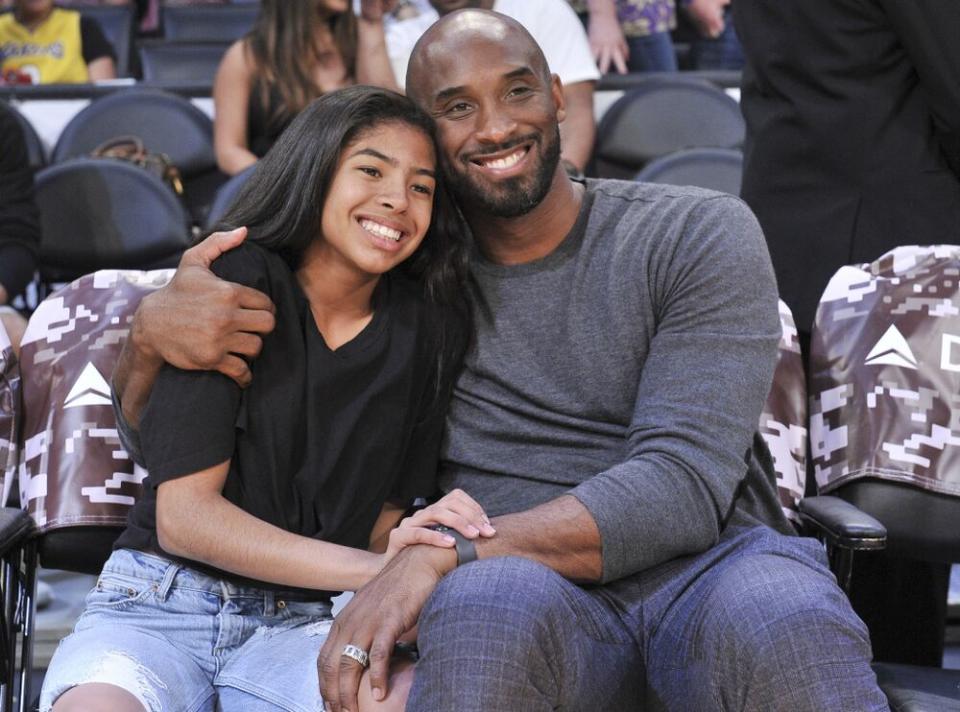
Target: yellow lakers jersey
[[51, 54]]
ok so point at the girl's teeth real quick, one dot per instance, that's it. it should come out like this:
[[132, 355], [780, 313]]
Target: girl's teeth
[[380, 230]]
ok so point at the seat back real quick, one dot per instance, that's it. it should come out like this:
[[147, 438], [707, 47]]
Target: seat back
[[208, 23], [225, 197], [783, 423], [76, 481], [119, 23], [36, 154], [181, 62], [9, 414], [662, 116], [102, 213], [884, 379], [714, 168], [166, 122]]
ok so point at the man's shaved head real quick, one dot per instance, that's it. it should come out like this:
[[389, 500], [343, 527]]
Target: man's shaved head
[[485, 81], [451, 33]]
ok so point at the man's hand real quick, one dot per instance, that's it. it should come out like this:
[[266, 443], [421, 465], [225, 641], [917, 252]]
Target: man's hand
[[199, 321], [375, 618], [707, 16]]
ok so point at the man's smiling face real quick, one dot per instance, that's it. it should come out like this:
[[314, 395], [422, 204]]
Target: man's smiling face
[[497, 110]]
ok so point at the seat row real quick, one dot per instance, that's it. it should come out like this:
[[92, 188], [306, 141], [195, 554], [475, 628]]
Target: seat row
[[201, 31]]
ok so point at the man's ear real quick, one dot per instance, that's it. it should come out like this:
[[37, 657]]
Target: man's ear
[[556, 91]]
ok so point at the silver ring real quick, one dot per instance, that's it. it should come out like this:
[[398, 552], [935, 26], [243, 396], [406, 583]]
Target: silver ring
[[356, 653]]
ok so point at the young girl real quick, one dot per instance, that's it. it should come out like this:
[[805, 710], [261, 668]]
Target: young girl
[[261, 501], [297, 51]]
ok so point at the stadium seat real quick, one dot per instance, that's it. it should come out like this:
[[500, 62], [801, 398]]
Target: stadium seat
[[714, 168], [225, 197], [208, 23], [119, 23], [884, 374], [167, 123], [103, 213], [76, 482], [15, 526], [661, 116], [35, 151], [181, 62]]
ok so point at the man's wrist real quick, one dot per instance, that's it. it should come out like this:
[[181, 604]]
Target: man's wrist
[[465, 548], [438, 558], [147, 355]]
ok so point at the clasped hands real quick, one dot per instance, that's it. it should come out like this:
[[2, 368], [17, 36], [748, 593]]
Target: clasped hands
[[387, 607]]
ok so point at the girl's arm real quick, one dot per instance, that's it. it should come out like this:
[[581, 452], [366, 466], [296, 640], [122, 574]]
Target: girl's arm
[[231, 100], [196, 522], [373, 62]]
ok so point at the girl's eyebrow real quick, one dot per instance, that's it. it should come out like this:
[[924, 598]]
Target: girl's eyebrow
[[392, 161]]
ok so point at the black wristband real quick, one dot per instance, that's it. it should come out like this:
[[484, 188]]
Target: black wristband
[[466, 549]]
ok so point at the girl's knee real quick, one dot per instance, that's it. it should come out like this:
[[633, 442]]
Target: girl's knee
[[401, 679], [97, 697]]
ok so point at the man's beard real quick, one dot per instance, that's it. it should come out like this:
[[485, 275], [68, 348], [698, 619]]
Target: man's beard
[[512, 197]]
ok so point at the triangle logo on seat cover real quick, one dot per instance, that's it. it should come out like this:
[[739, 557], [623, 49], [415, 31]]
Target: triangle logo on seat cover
[[891, 350], [91, 388]]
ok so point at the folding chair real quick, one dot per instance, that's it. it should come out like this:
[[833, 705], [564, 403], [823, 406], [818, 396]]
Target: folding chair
[[661, 116], [714, 168], [208, 23], [165, 122], [884, 374], [102, 213], [76, 481]]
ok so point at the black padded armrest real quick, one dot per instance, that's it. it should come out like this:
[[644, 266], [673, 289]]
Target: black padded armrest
[[15, 526], [841, 524]]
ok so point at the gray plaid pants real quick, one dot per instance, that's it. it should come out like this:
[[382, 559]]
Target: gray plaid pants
[[755, 623]]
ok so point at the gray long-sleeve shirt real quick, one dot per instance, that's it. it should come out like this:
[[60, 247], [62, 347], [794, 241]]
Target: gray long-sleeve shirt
[[628, 367]]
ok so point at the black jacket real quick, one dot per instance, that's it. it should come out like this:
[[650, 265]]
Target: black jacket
[[853, 132]]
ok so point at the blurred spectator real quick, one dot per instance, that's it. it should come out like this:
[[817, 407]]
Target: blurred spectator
[[19, 222], [555, 27], [53, 45], [707, 26], [853, 148], [630, 35], [297, 50]]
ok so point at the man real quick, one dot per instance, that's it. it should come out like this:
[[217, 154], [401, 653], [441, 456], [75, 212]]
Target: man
[[852, 149], [559, 33], [19, 222], [605, 415]]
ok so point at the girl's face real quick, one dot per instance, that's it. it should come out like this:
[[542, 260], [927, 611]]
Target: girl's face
[[378, 207]]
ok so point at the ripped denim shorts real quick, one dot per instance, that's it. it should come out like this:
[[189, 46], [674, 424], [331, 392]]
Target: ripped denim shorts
[[179, 639]]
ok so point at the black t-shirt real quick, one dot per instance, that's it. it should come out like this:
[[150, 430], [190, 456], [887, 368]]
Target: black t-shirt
[[321, 438]]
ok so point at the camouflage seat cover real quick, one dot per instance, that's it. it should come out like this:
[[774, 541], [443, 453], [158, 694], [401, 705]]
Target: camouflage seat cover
[[783, 423], [72, 468], [9, 413], [885, 372]]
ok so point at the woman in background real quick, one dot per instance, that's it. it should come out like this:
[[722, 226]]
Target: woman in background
[[298, 50]]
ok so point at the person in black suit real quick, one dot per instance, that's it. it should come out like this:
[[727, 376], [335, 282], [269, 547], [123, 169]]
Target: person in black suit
[[853, 148], [853, 132]]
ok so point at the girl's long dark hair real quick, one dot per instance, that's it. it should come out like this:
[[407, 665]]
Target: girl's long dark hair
[[281, 204], [283, 47]]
